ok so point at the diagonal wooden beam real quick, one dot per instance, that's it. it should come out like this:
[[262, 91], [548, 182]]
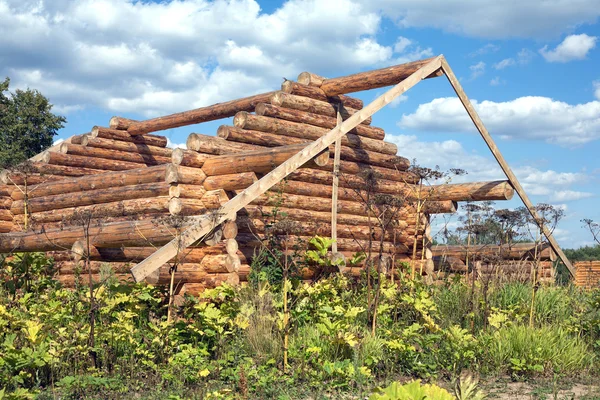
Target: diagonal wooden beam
[[204, 224], [503, 164]]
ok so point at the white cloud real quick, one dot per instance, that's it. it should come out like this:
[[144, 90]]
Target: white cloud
[[574, 47], [492, 18], [488, 48], [507, 62], [552, 185], [569, 195], [155, 58], [400, 99], [477, 70], [173, 145], [536, 118], [597, 89], [496, 81]]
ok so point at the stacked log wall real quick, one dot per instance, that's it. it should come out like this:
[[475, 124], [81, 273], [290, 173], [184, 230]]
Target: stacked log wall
[[587, 274]]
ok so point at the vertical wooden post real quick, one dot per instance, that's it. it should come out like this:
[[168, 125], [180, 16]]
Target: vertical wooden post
[[503, 164], [336, 182]]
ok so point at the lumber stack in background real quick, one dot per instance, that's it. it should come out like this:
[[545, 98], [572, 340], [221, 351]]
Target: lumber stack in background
[[587, 274]]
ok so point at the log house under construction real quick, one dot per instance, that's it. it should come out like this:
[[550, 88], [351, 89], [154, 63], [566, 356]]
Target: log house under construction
[[308, 152]]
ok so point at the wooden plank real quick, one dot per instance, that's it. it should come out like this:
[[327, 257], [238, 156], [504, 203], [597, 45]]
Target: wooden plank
[[206, 223], [503, 164], [334, 192]]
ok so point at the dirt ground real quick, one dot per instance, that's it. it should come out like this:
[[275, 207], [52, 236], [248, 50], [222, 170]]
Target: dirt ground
[[542, 390]]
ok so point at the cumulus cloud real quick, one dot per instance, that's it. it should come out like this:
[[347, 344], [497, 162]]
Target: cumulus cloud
[[552, 185], [569, 195], [160, 57], [536, 118], [525, 19], [477, 70], [597, 89], [574, 47]]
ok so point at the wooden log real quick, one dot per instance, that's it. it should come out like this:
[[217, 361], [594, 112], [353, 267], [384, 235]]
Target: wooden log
[[188, 158], [323, 121], [230, 230], [203, 114], [102, 181], [6, 190], [136, 254], [5, 215], [6, 226], [186, 207], [440, 207], [8, 177], [86, 198], [475, 191], [231, 245], [348, 153], [507, 252], [184, 175], [140, 148], [186, 191], [210, 282], [257, 161], [107, 133], [72, 267], [310, 79], [449, 263], [372, 79], [230, 181], [285, 100], [18, 180], [214, 199], [97, 152], [88, 162], [216, 145], [394, 172], [135, 207], [121, 123], [78, 139], [70, 281], [300, 89], [248, 121]]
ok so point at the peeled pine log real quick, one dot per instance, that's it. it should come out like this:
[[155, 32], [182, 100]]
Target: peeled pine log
[[214, 199], [70, 281], [188, 158], [16, 177], [513, 251], [6, 215], [72, 267], [257, 161], [133, 207], [6, 226], [474, 191], [6, 190], [121, 123], [440, 207], [216, 145], [185, 175], [300, 89], [87, 162], [101, 181], [347, 153], [186, 207], [231, 246], [395, 169], [230, 181], [136, 254], [17, 180], [285, 100], [230, 230], [254, 122], [120, 145], [351, 245], [97, 152], [310, 79], [5, 202], [323, 121], [183, 274], [449, 263], [371, 79], [187, 191], [203, 114], [108, 133], [108, 195]]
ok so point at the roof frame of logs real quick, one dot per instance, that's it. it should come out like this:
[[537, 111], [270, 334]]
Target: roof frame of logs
[[221, 180]]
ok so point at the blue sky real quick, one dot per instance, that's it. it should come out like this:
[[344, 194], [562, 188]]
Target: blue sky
[[531, 67]]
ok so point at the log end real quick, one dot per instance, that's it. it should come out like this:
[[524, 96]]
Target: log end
[[177, 156], [277, 98], [287, 86], [260, 108], [114, 122], [171, 174], [175, 206], [94, 131], [307, 78], [78, 251], [45, 157], [322, 159], [4, 177], [240, 118], [509, 191], [192, 142], [223, 131], [63, 148]]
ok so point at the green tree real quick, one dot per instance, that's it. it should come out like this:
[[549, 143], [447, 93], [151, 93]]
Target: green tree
[[27, 125]]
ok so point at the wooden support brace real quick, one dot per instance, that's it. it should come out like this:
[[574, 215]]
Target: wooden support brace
[[503, 164], [206, 223]]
